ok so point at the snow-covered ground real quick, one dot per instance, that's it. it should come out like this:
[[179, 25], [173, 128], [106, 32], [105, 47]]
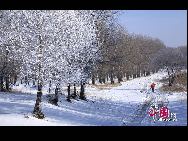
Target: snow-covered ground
[[117, 106]]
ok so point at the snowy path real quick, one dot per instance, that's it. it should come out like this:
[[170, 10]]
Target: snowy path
[[139, 114], [110, 107]]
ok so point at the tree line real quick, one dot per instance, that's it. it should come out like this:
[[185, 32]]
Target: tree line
[[125, 55]]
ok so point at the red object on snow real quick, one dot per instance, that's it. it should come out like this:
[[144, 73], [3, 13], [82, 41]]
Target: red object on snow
[[152, 112], [153, 85], [164, 112]]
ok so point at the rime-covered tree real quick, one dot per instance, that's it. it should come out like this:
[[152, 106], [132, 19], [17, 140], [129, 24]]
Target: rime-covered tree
[[56, 46], [11, 57]]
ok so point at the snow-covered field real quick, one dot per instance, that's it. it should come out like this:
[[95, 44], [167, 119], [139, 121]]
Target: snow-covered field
[[117, 106]]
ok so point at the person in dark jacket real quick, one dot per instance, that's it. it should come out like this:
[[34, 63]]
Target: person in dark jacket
[[153, 87]]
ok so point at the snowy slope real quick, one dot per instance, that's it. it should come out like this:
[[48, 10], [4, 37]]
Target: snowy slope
[[129, 91], [109, 107]]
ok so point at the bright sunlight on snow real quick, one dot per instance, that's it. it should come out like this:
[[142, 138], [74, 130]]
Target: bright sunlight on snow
[[111, 107]]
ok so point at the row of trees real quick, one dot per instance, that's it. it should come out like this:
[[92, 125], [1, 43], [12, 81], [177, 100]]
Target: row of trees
[[171, 57], [174, 59], [124, 55], [56, 47], [9, 69]]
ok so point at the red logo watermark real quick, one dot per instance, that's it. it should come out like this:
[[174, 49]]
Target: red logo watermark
[[161, 114]]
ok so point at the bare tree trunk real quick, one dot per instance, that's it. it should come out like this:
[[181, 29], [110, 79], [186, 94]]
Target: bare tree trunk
[[50, 84], [93, 79], [107, 77], [68, 90], [170, 81], [144, 73], [74, 93], [169, 78], [56, 96], [138, 71], [25, 79], [119, 76], [54, 99], [15, 79], [103, 80], [127, 76], [7, 83], [147, 73], [82, 92], [33, 82], [37, 112], [134, 76], [138, 74], [173, 78], [1, 83], [100, 79], [153, 71], [111, 78]]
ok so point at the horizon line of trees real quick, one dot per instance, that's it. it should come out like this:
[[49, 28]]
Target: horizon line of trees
[[125, 55]]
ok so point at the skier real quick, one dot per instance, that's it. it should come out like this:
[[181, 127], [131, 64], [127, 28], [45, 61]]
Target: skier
[[153, 86]]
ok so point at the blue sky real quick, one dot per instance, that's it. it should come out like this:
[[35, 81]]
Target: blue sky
[[170, 26]]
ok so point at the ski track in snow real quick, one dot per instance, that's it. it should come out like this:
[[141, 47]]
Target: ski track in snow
[[124, 105]]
